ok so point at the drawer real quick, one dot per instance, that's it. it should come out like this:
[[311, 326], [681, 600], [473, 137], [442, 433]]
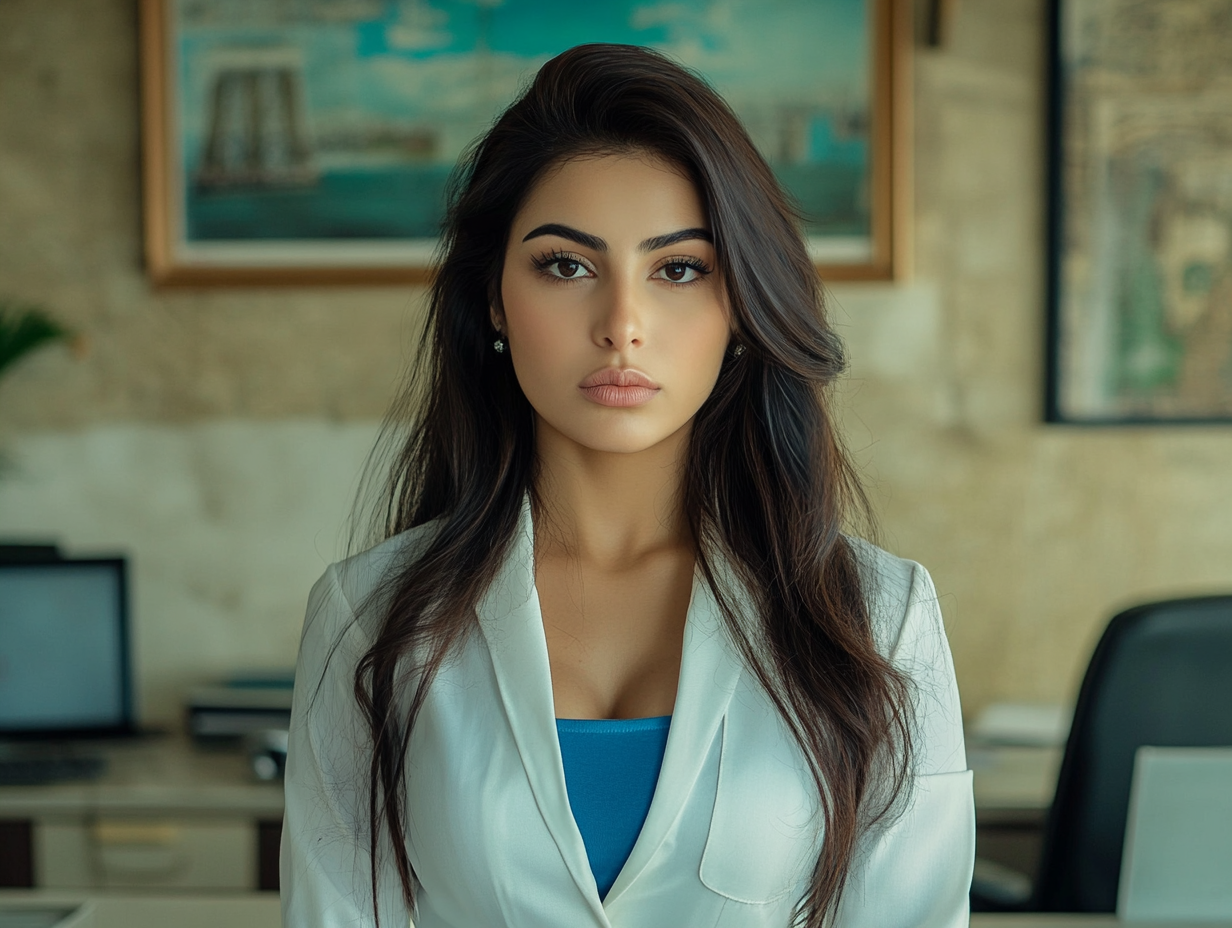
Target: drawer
[[146, 853]]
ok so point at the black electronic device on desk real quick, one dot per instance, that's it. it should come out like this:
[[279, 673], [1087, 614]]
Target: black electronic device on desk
[[65, 675], [239, 706], [251, 709]]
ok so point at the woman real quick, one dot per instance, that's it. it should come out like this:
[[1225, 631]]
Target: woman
[[616, 662]]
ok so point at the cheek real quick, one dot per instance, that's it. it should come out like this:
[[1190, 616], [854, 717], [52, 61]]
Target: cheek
[[548, 333], [544, 334], [700, 341]]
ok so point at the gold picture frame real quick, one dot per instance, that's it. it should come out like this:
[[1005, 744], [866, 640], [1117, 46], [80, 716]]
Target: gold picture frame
[[173, 201]]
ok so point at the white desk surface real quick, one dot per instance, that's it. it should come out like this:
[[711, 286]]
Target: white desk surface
[[155, 775], [249, 910], [1056, 920], [261, 910], [1012, 781], [170, 774]]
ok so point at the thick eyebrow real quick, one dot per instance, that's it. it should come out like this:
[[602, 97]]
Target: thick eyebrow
[[675, 238], [586, 240]]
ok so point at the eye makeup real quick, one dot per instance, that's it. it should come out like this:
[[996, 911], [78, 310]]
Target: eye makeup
[[561, 259], [571, 267]]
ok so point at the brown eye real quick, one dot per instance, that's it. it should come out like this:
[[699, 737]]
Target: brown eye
[[559, 266], [677, 272]]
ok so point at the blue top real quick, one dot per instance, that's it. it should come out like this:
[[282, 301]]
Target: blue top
[[611, 767]]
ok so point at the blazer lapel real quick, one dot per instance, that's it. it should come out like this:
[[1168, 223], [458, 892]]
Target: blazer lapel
[[709, 671], [512, 625], [710, 668]]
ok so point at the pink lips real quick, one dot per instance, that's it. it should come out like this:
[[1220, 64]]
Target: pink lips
[[613, 387]]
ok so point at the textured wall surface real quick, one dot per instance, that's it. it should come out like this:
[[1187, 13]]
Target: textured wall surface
[[70, 237], [216, 435], [227, 524]]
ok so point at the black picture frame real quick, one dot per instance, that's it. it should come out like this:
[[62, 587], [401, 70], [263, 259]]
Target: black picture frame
[[1097, 370]]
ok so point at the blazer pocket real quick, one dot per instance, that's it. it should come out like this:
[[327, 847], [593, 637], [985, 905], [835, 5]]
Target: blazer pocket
[[916, 868], [765, 828]]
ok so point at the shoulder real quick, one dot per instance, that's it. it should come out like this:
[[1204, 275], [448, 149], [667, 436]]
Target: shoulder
[[908, 630], [350, 592], [899, 593]]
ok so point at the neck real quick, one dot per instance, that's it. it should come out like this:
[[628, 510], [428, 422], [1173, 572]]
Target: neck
[[607, 508]]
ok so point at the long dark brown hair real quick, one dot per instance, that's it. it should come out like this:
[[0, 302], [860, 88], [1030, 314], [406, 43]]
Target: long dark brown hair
[[767, 484]]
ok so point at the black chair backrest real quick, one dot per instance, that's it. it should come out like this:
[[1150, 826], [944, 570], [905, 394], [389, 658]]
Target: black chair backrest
[[1161, 675]]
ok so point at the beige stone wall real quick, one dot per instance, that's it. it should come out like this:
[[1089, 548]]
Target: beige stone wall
[[1035, 534], [70, 238], [216, 434]]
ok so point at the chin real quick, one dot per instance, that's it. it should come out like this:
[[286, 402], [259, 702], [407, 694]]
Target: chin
[[616, 440], [620, 444]]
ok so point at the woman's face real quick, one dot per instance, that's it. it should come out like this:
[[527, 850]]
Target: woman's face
[[613, 311]]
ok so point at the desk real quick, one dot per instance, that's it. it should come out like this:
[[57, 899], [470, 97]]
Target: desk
[[1013, 790], [260, 910], [156, 774], [172, 775], [1050, 920], [251, 910], [173, 815], [165, 814], [1013, 784]]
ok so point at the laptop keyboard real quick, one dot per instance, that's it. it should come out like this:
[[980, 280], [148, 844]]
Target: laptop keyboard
[[37, 771]]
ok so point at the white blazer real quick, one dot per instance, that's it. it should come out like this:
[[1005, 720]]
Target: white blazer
[[730, 837]]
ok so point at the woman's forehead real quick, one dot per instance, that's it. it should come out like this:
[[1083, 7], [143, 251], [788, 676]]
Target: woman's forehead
[[635, 193]]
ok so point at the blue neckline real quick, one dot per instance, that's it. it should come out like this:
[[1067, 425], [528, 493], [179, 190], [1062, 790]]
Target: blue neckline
[[613, 726]]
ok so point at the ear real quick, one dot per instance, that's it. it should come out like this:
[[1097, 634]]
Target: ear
[[496, 309]]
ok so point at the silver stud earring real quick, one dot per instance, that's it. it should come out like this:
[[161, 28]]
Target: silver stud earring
[[499, 345], [738, 350]]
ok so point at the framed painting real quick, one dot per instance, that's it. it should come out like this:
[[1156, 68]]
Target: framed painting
[[311, 141], [1140, 269]]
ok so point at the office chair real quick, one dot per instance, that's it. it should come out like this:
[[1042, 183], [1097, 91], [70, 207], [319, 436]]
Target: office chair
[[1160, 675]]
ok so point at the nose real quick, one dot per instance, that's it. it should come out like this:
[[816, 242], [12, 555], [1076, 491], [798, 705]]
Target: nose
[[619, 324]]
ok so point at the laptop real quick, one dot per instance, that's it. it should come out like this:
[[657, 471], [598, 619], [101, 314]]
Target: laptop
[[1177, 862]]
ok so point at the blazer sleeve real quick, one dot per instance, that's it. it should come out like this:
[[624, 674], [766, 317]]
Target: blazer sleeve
[[915, 868], [325, 868]]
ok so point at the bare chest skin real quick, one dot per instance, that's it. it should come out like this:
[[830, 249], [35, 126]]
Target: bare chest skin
[[615, 635]]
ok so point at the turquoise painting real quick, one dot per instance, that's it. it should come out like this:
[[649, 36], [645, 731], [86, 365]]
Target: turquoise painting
[[310, 120]]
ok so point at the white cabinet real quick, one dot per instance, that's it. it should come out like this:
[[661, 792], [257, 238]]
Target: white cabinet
[[167, 816], [146, 853]]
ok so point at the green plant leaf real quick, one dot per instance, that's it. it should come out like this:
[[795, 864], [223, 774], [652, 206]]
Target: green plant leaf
[[24, 328]]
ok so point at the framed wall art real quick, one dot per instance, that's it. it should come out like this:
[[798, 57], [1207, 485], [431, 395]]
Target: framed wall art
[[310, 141], [1140, 278]]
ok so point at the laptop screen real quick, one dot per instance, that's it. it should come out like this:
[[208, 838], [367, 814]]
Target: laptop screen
[[63, 648], [1178, 837]]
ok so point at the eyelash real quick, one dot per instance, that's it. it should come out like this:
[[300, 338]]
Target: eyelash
[[542, 262], [547, 259], [697, 264]]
